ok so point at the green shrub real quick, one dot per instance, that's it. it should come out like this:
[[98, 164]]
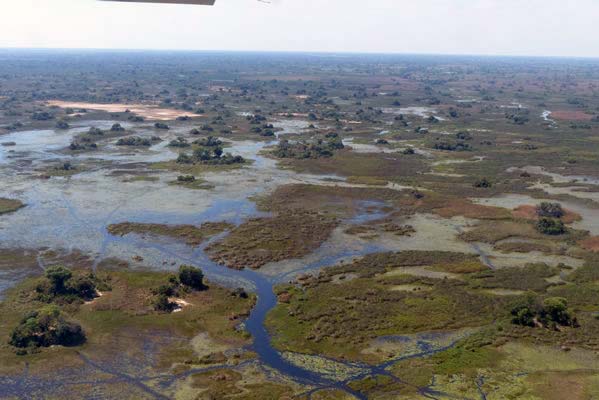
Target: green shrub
[[550, 210], [162, 304], [551, 226], [46, 327], [192, 277]]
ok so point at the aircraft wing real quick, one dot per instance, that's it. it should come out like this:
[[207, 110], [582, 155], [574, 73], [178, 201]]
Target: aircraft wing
[[198, 2]]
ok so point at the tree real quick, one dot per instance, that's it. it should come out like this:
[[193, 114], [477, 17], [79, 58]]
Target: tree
[[58, 275], [556, 309], [117, 128], [82, 286], [162, 303], [552, 210], [62, 124], [483, 183], [46, 327], [192, 277], [551, 226]]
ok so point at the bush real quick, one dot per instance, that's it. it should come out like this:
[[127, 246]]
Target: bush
[[314, 149], [162, 303], [42, 116], [550, 313], [551, 210], [483, 183], [46, 327], [62, 124], [192, 277], [210, 141], [179, 142], [135, 141], [58, 276], [160, 125], [117, 128], [551, 226], [61, 283], [82, 286], [186, 178], [95, 131]]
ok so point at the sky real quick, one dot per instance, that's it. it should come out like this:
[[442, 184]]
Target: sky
[[486, 27]]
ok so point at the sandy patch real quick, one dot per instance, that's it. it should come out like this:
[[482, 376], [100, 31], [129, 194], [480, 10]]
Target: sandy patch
[[147, 111], [98, 295], [180, 304]]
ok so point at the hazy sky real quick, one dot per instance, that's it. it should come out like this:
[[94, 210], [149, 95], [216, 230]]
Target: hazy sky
[[510, 27]]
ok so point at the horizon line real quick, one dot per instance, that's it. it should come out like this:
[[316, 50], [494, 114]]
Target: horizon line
[[327, 52]]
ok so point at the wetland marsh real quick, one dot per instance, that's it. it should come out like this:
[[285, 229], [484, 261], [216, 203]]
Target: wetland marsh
[[350, 247]]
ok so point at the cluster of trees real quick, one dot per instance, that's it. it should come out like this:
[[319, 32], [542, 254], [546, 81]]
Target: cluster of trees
[[463, 136], [188, 279], [46, 327], [13, 127], [82, 144], [551, 226], [180, 142], [457, 145], [483, 183], [550, 222], [62, 124], [65, 166], [266, 130], [161, 125], [550, 210], [42, 116], [315, 149], [550, 313], [186, 178], [117, 128], [210, 141], [212, 156], [61, 285], [93, 131], [520, 117], [135, 118], [256, 119], [137, 141]]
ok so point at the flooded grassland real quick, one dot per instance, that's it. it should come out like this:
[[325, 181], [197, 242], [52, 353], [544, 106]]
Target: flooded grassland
[[355, 241]]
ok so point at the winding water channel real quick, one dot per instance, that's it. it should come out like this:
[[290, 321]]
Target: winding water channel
[[73, 214]]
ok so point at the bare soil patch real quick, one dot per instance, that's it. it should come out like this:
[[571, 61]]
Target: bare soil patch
[[591, 244], [147, 111], [565, 115]]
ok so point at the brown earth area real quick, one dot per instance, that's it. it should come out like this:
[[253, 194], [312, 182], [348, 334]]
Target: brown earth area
[[530, 213], [144, 110], [571, 115], [591, 244]]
